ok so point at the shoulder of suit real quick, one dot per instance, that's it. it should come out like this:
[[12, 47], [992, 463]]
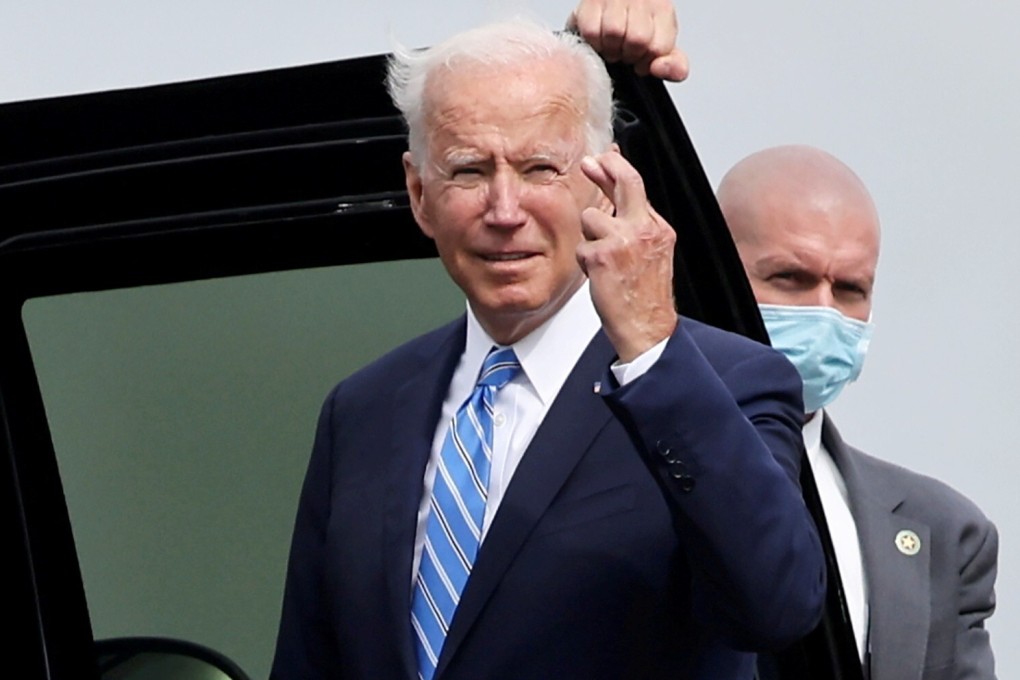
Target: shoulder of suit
[[929, 498], [709, 338], [406, 358], [727, 351]]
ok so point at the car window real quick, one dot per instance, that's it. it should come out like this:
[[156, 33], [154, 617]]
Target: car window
[[180, 386], [182, 417]]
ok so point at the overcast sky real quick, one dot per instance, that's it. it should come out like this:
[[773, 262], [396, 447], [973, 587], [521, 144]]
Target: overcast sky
[[922, 99]]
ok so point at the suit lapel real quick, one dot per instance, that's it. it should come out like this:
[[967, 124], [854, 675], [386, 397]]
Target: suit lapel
[[567, 432], [416, 409], [898, 584]]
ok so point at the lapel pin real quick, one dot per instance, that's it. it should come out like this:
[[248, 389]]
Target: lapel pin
[[908, 542], [597, 387]]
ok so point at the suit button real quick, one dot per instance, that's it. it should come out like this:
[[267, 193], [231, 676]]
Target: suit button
[[686, 481], [666, 452]]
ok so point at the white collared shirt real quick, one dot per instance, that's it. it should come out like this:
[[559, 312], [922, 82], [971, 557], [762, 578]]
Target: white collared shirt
[[547, 355], [842, 528]]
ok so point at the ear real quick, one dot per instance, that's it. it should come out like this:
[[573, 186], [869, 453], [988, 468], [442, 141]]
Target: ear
[[416, 194]]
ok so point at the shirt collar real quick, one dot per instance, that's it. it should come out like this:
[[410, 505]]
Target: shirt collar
[[549, 352], [812, 432]]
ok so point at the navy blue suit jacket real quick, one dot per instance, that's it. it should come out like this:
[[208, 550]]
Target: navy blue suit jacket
[[650, 530]]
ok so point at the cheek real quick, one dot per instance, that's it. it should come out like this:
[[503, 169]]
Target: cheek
[[858, 310], [450, 209], [558, 205], [768, 294], [583, 192]]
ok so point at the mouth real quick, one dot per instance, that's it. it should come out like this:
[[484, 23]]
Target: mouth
[[506, 257]]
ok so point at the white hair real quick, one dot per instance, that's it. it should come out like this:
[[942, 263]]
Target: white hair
[[502, 43]]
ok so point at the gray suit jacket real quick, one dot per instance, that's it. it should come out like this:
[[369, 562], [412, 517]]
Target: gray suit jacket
[[927, 611]]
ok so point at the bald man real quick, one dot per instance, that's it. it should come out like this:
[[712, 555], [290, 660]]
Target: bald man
[[916, 558]]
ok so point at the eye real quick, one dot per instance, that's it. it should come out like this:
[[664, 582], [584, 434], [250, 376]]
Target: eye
[[788, 278], [541, 171], [465, 172], [850, 290]]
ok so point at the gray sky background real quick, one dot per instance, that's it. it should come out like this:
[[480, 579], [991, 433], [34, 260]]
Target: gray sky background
[[922, 99]]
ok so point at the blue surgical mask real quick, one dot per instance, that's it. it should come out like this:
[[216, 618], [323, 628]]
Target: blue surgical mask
[[826, 347]]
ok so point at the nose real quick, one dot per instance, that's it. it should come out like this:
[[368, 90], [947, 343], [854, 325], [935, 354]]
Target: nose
[[826, 294], [503, 199], [822, 295]]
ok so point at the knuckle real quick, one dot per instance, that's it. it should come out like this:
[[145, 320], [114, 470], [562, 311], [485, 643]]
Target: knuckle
[[590, 33], [629, 176], [636, 43], [614, 33]]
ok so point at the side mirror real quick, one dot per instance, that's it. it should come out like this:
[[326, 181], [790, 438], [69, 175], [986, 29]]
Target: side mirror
[[153, 658]]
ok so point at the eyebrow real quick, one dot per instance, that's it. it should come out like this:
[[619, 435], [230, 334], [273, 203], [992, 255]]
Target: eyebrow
[[783, 262], [864, 282], [458, 158], [543, 156], [556, 152]]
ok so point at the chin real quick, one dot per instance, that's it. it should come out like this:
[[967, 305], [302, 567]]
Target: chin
[[511, 308], [508, 319]]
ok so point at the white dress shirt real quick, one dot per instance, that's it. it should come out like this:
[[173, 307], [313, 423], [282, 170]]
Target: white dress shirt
[[547, 355], [842, 528]]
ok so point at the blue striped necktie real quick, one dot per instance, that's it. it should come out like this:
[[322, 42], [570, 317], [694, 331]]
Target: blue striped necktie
[[456, 510]]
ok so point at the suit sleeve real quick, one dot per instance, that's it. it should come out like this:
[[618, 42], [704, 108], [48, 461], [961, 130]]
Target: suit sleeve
[[723, 441], [979, 549], [304, 648]]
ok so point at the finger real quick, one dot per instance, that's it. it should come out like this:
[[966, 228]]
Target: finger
[[664, 33], [584, 253], [595, 224], [619, 181], [613, 30], [586, 20], [673, 66], [592, 252], [638, 38], [594, 171], [662, 58]]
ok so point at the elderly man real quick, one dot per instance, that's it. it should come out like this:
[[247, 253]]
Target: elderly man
[[917, 559], [569, 481]]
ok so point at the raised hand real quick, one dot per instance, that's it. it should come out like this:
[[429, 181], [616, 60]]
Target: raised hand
[[639, 32], [628, 257]]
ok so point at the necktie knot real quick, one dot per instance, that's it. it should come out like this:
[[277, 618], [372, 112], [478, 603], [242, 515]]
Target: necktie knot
[[499, 368]]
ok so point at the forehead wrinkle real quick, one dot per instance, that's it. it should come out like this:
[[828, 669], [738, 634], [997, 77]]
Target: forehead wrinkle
[[459, 102], [523, 108], [785, 259]]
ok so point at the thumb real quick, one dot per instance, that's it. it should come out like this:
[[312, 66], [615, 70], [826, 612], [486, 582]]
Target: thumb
[[672, 66]]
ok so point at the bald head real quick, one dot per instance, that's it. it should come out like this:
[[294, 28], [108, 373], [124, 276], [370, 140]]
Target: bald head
[[805, 227]]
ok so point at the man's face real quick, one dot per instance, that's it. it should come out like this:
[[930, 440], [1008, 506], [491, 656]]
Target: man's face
[[817, 250], [501, 191]]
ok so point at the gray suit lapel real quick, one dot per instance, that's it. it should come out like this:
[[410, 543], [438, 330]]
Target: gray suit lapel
[[898, 584]]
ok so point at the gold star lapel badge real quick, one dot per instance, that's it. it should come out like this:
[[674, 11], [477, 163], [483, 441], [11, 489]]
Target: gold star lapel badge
[[908, 542]]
